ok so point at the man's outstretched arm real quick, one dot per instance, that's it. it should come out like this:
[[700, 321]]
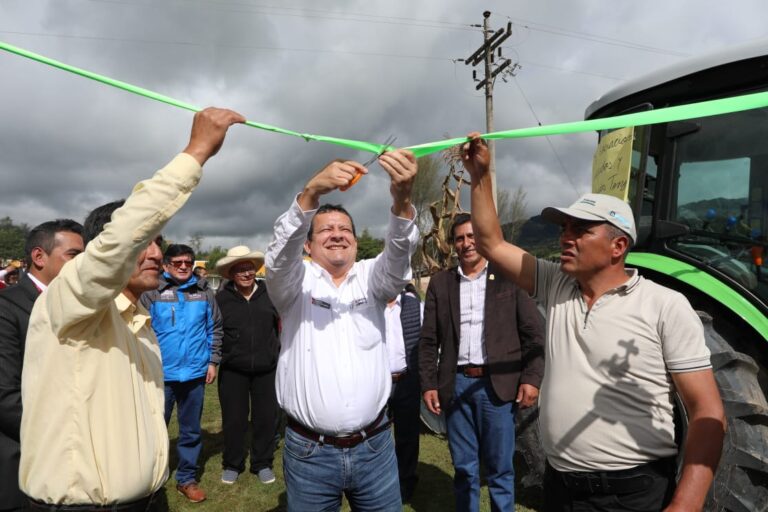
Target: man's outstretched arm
[[514, 262]]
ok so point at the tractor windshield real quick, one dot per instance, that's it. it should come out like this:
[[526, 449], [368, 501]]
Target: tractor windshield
[[720, 191]]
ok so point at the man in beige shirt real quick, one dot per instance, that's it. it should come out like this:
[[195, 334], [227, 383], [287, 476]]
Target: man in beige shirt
[[617, 346], [93, 436]]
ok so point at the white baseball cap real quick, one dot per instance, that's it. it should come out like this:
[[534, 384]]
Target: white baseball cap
[[599, 208]]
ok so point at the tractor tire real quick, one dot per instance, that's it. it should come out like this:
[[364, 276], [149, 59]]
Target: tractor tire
[[741, 480], [528, 448]]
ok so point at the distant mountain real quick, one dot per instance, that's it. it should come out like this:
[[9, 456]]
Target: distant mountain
[[717, 207], [539, 237]]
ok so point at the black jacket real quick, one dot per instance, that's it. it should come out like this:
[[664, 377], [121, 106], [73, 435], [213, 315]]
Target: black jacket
[[15, 306], [251, 330]]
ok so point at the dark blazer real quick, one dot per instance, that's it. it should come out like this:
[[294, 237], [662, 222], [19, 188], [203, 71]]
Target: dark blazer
[[514, 336], [15, 306]]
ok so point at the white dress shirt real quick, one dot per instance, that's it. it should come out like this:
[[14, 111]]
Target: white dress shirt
[[40, 286], [395, 341], [333, 372], [472, 318]]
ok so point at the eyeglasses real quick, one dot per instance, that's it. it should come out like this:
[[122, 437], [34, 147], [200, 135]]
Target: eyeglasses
[[181, 263]]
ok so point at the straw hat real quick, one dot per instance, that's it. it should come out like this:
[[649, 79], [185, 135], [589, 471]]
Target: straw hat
[[236, 255]]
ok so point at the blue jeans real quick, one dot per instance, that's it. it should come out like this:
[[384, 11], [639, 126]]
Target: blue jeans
[[316, 475], [189, 398], [481, 426]]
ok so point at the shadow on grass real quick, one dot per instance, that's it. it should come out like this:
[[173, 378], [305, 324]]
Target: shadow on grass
[[424, 498], [282, 504], [213, 444]]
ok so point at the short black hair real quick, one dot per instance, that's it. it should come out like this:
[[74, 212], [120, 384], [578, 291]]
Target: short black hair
[[458, 220], [326, 208], [174, 250], [43, 235], [95, 221]]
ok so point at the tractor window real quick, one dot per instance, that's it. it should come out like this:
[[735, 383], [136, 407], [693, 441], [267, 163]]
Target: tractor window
[[647, 171], [721, 193], [722, 186]]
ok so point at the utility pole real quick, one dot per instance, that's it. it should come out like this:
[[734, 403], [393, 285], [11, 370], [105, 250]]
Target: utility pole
[[485, 54]]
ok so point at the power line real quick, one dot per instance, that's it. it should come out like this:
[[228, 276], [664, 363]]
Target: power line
[[286, 49], [546, 137], [231, 46], [551, 29], [321, 14], [406, 20], [557, 68]]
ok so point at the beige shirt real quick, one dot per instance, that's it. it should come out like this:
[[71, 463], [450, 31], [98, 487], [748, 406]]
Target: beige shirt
[[92, 430], [606, 399]]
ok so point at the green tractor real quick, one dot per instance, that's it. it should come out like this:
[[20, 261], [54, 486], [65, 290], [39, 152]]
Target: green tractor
[[699, 189]]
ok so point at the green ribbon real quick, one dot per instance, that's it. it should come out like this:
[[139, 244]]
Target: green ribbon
[[662, 115], [354, 144]]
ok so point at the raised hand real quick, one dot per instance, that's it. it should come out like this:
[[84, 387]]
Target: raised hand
[[402, 168], [335, 175], [208, 131], [475, 156]]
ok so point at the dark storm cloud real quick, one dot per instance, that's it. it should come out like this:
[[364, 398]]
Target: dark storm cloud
[[69, 144]]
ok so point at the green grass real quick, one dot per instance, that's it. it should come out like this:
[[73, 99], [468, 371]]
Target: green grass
[[433, 493]]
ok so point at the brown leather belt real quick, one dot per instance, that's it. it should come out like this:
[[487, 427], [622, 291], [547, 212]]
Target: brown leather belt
[[349, 441], [472, 371], [398, 376]]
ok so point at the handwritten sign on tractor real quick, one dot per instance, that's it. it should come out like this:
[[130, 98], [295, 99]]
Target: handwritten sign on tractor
[[612, 163]]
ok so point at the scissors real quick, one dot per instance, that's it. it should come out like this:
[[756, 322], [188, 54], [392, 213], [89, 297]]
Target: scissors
[[386, 147]]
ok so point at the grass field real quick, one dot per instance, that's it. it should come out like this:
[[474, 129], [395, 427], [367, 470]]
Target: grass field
[[433, 493]]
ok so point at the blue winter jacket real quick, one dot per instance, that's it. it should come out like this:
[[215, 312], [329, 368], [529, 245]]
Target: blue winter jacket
[[188, 325]]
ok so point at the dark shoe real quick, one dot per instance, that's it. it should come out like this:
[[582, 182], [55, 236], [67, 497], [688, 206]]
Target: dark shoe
[[191, 491]]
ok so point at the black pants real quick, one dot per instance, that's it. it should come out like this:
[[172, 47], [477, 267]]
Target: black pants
[[648, 487], [241, 395], [404, 407]]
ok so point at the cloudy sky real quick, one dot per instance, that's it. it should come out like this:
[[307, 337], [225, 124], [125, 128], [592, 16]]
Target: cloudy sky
[[351, 69]]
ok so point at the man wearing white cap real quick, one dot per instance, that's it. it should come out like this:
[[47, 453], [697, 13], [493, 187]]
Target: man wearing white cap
[[617, 347], [333, 376]]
